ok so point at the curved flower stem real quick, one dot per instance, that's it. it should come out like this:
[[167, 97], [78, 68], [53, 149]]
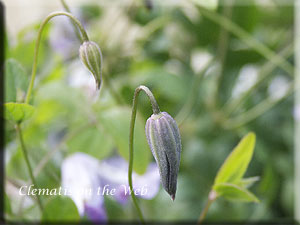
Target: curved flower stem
[[23, 147], [156, 110], [212, 196], [67, 8], [37, 45]]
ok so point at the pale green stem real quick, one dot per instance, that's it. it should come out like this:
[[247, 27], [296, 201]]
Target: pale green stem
[[25, 153], [248, 39], [156, 110], [266, 70], [255, 112], [37, 45], [67, 8], [212, 196]]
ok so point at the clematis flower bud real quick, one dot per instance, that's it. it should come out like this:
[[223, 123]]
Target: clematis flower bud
[[164, 140], [91, 56]]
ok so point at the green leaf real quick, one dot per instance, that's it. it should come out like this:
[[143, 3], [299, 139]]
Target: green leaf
[[18, 112], [49, 112], [10, 87], [170, 86], [235, 193], [15, 80], [7, 205], [209, 4], [16, 166], [116, 122], [24, 50], [247, 182], [236, 164], [114, 210], [60, 209], [91, 141], [71, 98]]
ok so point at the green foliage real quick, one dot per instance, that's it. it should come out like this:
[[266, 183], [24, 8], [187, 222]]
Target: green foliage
[[16, 80], [162, 48], [18, 112], [92, 141], [116, 123], [237, 162], [234, 192], [60, 209], [7, 205], [247, 182], [228, 182]]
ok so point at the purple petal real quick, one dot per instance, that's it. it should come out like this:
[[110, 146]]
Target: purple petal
[[114, 171], [80, 177], [95, 214], [149, 182]]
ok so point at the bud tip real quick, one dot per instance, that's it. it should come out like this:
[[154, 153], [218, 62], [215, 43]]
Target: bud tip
[[173, 197]]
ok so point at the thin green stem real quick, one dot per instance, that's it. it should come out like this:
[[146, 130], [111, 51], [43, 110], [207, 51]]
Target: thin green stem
[[212, 196], [266, 70], [156, 110], [67, 8], [248, 39], [23, 147], [37, 45]]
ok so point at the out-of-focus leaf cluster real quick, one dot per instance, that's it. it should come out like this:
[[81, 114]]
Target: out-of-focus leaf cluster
[[163, 48]]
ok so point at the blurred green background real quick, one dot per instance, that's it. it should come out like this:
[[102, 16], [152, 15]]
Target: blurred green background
[[221, 69]]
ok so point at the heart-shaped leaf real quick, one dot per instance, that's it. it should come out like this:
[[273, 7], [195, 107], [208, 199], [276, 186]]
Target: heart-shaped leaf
[[18, 112], [60, 209]]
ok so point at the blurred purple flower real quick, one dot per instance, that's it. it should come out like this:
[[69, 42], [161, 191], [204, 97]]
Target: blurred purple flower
[[79, 174], [113, 171], [83, 172]]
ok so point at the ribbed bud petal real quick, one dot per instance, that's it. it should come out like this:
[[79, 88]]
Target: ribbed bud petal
[[164, 140], [91, 56]]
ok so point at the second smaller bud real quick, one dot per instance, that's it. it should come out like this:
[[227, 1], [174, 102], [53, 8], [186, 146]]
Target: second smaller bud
[[91, 56]]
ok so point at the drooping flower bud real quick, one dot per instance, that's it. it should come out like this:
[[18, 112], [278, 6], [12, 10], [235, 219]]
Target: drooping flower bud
[[91, 56], [164, 140]]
